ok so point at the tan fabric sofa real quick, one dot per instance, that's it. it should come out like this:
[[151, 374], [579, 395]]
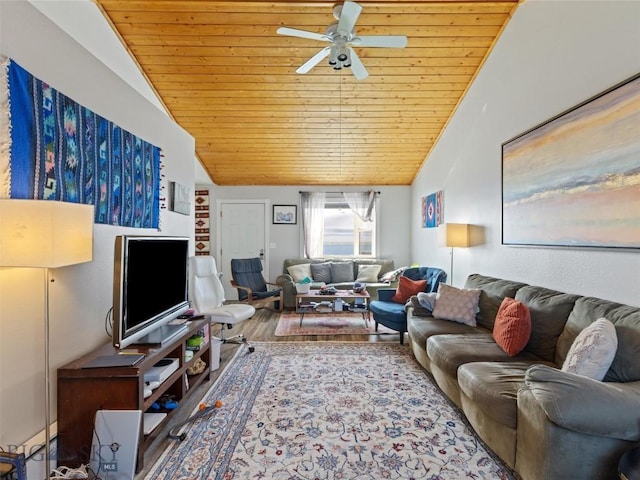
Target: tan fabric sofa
[[286, 281], [543, 422]]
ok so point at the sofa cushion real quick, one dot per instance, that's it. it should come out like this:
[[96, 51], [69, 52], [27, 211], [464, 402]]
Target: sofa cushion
[[407, 288], [368, 273], [493, 388], [512, 327], [388, 313], [585, 311], [604, 409], [625, 367], [493, 291], [450, 351], [300, 272], [457, 305], [549, 311], [593, 350], [341, 272], [321, 272], [421, 328]]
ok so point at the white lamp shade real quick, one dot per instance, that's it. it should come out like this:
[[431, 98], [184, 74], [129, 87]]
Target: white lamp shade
[[456, 235], [45, 233]]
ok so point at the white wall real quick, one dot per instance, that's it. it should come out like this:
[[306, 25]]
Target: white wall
[[81, 297], [394, 217], [552, 55]]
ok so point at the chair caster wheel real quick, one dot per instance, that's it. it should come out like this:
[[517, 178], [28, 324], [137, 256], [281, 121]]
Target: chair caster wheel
[[252, 349]]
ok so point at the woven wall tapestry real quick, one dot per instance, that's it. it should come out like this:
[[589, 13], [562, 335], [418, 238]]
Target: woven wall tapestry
[[203, 232], [63, 151], [432, 210]]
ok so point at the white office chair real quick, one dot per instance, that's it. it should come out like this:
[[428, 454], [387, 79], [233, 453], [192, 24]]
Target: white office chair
[[207, 297]]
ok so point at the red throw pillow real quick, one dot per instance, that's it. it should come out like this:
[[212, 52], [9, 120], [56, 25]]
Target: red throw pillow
[[407, 288], [512, 327]]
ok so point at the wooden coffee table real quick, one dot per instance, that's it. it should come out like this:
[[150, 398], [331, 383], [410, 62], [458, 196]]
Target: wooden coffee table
[[353, 303]]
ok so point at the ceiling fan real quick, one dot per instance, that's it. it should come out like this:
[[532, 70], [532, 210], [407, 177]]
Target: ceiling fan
[[342, 36]]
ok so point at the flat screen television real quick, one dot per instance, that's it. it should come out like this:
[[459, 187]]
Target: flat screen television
[[150, 288]]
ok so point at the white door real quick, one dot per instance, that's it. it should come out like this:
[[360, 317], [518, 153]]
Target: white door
[[242, 233]]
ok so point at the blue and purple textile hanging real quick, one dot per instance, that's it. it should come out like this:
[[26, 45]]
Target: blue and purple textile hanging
[[61, 150]]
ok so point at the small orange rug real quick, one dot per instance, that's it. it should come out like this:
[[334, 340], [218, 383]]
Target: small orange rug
[[327, 324]]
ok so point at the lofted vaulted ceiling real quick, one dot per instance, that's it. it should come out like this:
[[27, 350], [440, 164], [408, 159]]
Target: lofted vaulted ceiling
[[229, 79]]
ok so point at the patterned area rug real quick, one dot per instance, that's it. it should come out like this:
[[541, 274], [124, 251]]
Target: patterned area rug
[[327, 324], [328, 410]]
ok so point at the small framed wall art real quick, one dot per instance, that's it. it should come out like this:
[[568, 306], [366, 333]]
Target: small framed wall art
[[179, 198], [285, 214]]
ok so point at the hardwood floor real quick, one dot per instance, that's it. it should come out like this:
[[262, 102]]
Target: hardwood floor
[[260, 328]]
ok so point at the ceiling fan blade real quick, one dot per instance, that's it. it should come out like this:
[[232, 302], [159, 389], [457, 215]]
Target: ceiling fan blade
[[357, 67], [389, 41], [348, 17], [294, 32], [313, 61]]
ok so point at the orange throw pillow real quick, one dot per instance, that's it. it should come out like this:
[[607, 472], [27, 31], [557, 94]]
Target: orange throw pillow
[[407, 288], [512, 328]]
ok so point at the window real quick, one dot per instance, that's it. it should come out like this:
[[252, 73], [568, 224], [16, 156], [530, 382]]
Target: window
[[336, 230]]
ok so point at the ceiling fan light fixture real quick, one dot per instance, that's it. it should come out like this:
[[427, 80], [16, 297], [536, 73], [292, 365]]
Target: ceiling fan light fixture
[[347, 61], [340, 44], [333, 55], [341, 35]]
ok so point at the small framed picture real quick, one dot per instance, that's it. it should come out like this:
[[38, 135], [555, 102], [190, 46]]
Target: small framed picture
[[179, 198], [285, 214]]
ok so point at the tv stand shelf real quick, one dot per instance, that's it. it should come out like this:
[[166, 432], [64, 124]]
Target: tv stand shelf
[[84, 391]]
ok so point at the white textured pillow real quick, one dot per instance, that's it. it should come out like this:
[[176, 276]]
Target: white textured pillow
[[299, 272], [593, 350], [368, 273], [457, 305]]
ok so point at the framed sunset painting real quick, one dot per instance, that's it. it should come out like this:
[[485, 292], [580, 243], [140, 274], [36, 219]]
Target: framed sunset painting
[[574, 181]]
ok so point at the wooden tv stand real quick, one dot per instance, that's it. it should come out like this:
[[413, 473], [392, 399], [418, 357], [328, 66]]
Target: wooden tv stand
[[84, 391]]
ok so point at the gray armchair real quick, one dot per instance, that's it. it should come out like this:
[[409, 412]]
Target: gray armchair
[[251, 285]]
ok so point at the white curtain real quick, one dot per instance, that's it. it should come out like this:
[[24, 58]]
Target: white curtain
[[312, 215], [361, 203]]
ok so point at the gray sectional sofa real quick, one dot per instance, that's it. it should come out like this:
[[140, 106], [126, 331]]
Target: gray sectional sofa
[[545, 423], [286, 282]]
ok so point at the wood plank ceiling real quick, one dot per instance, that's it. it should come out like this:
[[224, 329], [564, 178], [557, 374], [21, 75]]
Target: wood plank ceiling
[[228, 79]]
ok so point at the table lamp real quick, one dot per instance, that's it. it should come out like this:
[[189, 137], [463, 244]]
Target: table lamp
[[45, 234]]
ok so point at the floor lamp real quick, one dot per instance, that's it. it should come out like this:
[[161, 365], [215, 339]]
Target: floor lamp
[[45, 234], [455, 235]]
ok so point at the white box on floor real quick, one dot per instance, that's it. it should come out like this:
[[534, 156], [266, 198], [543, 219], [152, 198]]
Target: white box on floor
[[215, 353], [115, 441]]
